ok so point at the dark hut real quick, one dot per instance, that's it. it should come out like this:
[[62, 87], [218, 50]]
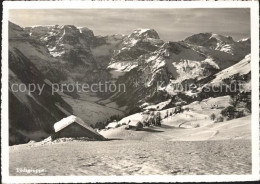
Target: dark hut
[[135, 125], [73, 126]]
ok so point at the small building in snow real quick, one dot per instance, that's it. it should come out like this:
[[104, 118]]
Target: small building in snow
[[73, 126], [112, 125], [136, 125]]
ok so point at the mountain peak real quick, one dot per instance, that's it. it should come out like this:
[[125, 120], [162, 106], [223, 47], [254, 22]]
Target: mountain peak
[[204, 39], [222, 38], [144, 33], [67, 27], [86, 31]]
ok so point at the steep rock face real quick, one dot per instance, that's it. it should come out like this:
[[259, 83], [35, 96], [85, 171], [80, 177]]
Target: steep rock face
[[70, 46], [87, 34], [36, 52], [61, 39]]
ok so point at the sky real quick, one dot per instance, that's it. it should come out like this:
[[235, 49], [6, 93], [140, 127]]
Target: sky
[[171, 24]]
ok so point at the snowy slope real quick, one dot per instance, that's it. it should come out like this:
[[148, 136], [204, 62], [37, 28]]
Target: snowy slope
[[240, 71], [241, 68]]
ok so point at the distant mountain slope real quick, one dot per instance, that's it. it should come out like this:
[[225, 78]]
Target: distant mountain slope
[[223, 49], [240, 72], [172, 64], [31, 116], [243, 67]]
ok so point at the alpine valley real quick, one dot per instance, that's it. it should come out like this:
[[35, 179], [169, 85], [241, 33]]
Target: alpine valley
[[149, 67]]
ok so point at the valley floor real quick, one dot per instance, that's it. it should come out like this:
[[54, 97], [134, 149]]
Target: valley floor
[[91, 109], [157, 150]]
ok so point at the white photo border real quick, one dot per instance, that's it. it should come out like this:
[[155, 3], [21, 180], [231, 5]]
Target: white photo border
[[253, 5]]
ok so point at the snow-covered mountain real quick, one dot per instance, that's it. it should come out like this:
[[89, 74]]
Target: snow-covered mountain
[[218, 42], [140, 42], [150, 68], [84, 55], [77, 50], [172, 64], [220, 47], [141, 56], [69, 45]]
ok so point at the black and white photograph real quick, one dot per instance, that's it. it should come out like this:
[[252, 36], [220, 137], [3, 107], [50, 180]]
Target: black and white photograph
[[131, 91]]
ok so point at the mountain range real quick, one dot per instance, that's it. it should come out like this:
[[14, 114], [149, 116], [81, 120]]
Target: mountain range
[[149, 67]]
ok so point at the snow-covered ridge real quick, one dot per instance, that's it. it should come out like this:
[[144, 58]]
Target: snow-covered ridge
[[37, 26], [141, 31], [245, 40], [144, 33], [201, 38], [243, 67], [217, 42], [222, 38]]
